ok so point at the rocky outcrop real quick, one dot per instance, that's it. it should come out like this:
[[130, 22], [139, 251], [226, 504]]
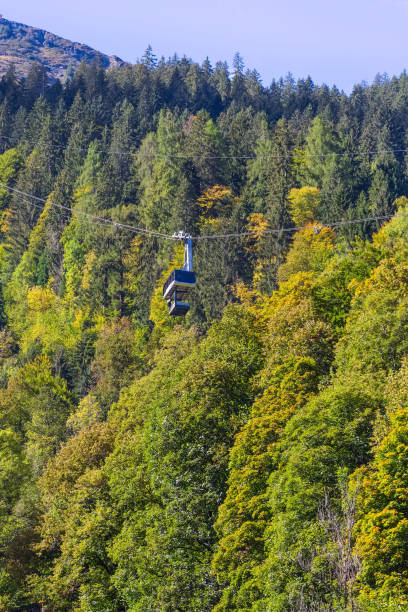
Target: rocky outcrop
[[22, 45]]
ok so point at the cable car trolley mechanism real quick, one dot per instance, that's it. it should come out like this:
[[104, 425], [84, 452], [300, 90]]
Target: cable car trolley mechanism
[[180, 282]]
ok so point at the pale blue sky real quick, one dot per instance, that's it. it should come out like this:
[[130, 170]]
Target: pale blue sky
[[338, 42]]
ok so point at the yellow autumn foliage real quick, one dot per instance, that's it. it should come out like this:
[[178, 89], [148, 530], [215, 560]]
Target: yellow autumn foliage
[[90, 260], [216, 201], [40, 299], [257, 224], [304, 204], [212, 195], [310, 250]]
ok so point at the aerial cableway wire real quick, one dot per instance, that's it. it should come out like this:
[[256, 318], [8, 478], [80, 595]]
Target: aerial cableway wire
[[299, 153], [96, 218], [66, 216], [154, 234]]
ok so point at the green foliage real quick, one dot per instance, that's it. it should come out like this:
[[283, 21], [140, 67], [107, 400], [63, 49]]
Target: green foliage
[[76, 521], [381, 529], [163, 185], [10, 164], [334, 288], [118, 357], [193, 412], [34, 408], [321, 147], [311, 251], [14, 473], [333, 430], [374, 337], [304, 204], [14, 469], [36, 405], [244, 515]]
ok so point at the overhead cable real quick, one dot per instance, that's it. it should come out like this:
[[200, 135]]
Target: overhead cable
[[155, 234], [105, 220], [317, 226], [300, 153]]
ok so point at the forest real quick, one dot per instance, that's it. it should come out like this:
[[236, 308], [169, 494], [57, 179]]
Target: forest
[[253, 455]]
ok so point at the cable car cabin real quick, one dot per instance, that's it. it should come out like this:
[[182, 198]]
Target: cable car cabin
[[180, 282], [178, 307], [176, 290]]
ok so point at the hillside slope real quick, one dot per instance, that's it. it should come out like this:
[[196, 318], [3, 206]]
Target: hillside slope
[[252, 455], [22, 45]]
